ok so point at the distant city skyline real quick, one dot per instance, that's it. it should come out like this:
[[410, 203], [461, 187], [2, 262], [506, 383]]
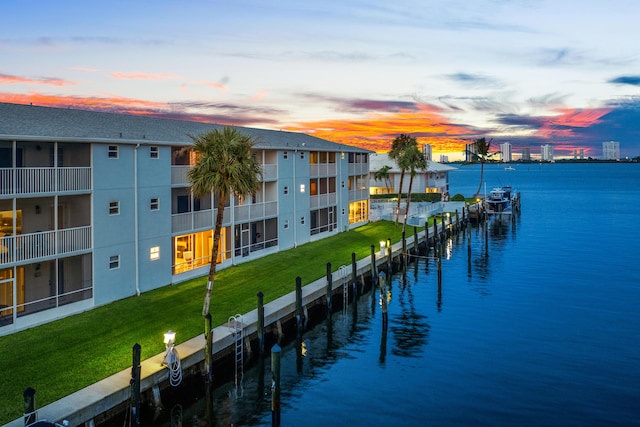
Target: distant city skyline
[[563, 74]]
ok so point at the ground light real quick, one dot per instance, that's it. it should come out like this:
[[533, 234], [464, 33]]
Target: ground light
[[171, 359], [383, 246]]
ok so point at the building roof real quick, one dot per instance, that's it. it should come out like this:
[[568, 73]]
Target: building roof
[[34, 123], [379, 160]]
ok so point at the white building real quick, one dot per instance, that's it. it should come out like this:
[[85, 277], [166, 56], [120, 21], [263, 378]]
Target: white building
[[95, 207], [546, 153], [505, 152], [427, 151], [434, 179], [611, 150]]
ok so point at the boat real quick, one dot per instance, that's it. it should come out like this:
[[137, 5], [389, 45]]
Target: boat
[[499, 200], [509, 168]]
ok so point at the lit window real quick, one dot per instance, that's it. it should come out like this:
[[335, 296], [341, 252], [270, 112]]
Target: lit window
[[114, 208], [112, 152], [154, 253], [153, 152], [114, 262], [155, 204], [302, 188]]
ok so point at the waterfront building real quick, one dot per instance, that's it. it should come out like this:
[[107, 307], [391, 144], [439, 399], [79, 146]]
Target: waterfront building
[[546, 153], [611, 150], [95, 207], [505, 152], [434, 179], [526, 154], [470, 151]]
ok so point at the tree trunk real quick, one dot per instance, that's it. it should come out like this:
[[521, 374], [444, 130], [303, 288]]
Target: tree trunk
[[399, 195], [481, 178], [404, 224], [214, 254]]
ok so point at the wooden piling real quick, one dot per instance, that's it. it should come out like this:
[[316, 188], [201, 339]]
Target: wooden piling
[[329, 289], [135, 385], [260, 296], [354, 275], [299, 303], [374, 270], [208, 348], [29, 395]]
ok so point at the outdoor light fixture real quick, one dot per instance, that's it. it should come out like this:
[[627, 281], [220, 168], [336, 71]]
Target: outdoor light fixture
[[383, 246], [171, 359]]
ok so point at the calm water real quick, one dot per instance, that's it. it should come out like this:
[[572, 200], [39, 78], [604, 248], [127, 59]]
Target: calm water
[[539, 327]]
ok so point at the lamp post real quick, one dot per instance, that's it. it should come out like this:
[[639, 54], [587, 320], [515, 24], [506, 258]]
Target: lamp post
[[383, 247], [169, 342]]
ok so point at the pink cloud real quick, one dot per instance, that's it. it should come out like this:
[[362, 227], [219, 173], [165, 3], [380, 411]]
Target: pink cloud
[[8, 79], [142, 76]]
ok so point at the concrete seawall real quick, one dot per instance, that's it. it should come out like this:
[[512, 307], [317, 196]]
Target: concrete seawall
[[103, 396]]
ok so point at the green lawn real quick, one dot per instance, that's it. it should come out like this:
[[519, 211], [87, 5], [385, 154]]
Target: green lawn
[[67, 355]]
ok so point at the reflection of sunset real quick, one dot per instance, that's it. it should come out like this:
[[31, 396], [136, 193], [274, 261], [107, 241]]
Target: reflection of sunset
[[377, 131]]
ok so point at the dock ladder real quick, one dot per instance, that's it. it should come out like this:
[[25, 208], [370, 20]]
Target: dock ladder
[[343, 273], [236, 328]]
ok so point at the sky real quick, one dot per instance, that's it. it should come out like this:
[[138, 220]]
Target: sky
[[358, 72]]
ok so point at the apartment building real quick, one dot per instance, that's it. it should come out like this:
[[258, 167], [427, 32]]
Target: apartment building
[[95, 207]]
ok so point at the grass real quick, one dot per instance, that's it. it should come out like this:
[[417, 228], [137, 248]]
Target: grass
[[61, 357]]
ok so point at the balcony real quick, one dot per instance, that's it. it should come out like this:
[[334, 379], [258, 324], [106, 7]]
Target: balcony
[[198, 220], [45, 244], [44, 180], [322, 200], [360, 194], [255, 211]]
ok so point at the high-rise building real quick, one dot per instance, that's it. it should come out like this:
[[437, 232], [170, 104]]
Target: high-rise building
[[611, 150], [470, 152], [505, 152], [444, 158], [546, 153], [427, 151], [526, 154]]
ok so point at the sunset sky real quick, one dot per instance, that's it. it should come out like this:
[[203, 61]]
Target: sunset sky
[[360, 72]]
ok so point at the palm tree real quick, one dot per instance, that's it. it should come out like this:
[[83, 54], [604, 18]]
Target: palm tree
[[481, 152], [414, 160], [383, 175], [225, 165], [398, 146]]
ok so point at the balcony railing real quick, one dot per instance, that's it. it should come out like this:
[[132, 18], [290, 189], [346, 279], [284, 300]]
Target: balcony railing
[[24, 247], [358, 169], [179, 174], [358, 194], [323, 169], [198, 220], [44, 180], [322, 200]]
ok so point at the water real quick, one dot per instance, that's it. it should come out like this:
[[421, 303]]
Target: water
[[539, 327]]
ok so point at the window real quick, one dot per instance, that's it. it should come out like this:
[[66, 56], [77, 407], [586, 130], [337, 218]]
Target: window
[[114, 208], [286, 190], [112, 152], [302, 220], [285, 155], [302, 188], [302, 155], [154, 253], [114, 262], [155, 204], [286, 223], [153, 152]]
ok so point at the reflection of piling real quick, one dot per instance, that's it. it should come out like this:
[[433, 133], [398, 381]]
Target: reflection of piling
[[389, 255], [383, 299], [403, 254], [329, 289], [135, 384], [275, 385], [260, 323], [426, 236]]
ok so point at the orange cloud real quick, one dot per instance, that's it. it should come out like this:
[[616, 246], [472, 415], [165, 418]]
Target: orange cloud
[[215, 85], [119, 104], [377, 131], [562, 126], [142, 76], [8, 79]]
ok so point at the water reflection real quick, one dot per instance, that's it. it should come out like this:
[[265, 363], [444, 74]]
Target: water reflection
[[409, 328]]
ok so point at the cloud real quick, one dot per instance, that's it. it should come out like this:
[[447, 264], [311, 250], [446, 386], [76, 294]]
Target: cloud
[[626, 80], [142, 76], [8, 79], [473, 80]]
